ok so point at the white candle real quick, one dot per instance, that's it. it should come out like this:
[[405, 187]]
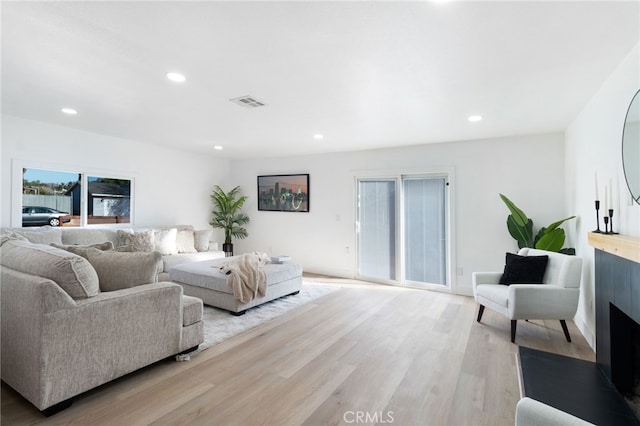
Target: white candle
[[597, 196], [606, 198], [609, 204]]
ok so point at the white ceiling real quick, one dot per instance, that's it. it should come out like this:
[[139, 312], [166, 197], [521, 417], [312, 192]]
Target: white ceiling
[[364, 74]]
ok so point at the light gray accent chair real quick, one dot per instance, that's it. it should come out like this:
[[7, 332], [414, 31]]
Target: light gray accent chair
[[530, 412], [61, 335], [555, 299]]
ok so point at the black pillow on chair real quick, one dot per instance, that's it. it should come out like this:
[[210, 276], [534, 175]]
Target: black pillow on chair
[[524, 269]]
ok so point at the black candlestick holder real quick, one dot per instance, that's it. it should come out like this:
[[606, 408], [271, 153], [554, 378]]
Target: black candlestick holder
[[606, 224], [610, 222], [598, 231]]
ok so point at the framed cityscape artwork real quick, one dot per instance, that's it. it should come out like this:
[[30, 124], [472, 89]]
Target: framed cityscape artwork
[[283, 193]]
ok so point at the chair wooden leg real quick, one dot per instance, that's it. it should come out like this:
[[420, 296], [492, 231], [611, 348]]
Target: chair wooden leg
[[480, 312], [514, 324], [563, 323]]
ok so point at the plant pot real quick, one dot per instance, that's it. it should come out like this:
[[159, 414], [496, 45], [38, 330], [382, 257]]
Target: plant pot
[[228, 249]]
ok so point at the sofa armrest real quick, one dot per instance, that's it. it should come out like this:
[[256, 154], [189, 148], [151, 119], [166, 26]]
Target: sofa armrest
[[530, 412], [108, 336], [72, 346], [542, 301], [137, 292], [25, 299]]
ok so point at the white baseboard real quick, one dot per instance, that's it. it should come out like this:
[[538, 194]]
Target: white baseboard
[[338, 273], [588, 334]]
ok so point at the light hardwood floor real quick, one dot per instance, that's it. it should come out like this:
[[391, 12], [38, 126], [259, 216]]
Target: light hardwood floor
[[363, 352]]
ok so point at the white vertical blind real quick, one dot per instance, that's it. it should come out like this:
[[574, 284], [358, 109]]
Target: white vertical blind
[[377, 228], [403, 218], [424, 229]]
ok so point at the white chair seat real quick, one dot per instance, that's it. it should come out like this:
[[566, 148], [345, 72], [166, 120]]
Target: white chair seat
[[495, 293]]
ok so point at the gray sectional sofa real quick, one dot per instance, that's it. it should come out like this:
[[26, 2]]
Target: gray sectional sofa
[[177, 244], [71, 322]]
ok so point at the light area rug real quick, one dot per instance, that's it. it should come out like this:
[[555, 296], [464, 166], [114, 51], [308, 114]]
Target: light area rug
[[220, 325]]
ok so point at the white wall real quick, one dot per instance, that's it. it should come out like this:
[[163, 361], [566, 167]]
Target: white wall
[[594, 144], [171, 186], [528, 169], [174, 187]]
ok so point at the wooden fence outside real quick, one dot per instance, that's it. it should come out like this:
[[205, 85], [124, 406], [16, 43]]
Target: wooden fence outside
[[58, 202]]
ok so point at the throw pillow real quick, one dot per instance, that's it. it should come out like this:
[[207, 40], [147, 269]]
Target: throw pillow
[[45, 235], [164, 241], [201, 239], [139, 240], [524, 269], [118, 270], [185, 241], [81, 250], [73, 273], [120, 235]]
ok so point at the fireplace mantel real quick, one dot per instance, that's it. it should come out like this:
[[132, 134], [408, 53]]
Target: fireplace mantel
[[623, 246]]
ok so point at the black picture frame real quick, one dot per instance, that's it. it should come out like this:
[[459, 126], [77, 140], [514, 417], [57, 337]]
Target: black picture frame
[[284, 193]]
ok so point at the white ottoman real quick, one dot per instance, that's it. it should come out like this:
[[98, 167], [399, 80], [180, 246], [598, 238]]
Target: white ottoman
[[205, 281]]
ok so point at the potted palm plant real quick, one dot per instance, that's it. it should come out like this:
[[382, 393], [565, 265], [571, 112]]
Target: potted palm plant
[[227, 215]]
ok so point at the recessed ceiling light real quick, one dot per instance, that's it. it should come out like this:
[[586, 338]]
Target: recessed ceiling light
[[69, 111], [218, 148], [474, 118], [174, 76], [318, 136]]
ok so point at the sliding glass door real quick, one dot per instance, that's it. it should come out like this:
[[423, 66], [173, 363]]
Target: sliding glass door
[[402, 229]]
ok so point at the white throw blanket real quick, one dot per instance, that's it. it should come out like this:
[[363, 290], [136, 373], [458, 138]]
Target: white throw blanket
[[246, 277]]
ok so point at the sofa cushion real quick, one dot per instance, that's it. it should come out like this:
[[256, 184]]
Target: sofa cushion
[[87, 236], [81, 250], [42, 235], [164, 241], [185, 241], [73, 273], [178, 259], [524, 269], [11, 235], [117, 270], [178, 227], [136, 240], [201, 239]]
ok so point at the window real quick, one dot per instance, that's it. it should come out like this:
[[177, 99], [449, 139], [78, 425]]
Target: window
[[46, 193], [71, 198], [109, 200]]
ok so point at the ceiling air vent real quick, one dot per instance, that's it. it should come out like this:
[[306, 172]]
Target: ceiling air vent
[[248, 102]]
